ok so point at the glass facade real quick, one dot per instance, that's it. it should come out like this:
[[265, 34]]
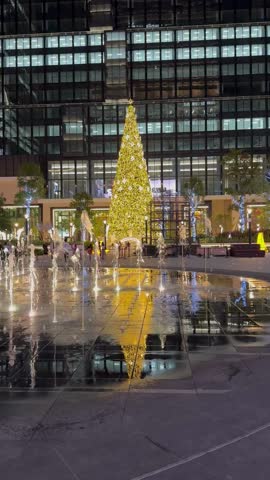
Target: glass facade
[[199, 79]]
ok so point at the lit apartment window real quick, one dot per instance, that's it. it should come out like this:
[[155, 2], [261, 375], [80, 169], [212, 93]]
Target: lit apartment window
[[257, 31], [212, 52], [138, 37], [37, 42], [79, 40], [211, 34], [228, 51], [183, 53], [257, 50], [79, 58], [197, 34], [65, 41], [23, 43], [94, 40], [95, 57], [152, 37], [52, 59], [52, 42], [258, 123], [243, 124], [242, 50], [242, 32], [182, 35], [228, 124], [23, 61], [167, 37], [167, 54], [37, 60], [10, 44], [227, 33]]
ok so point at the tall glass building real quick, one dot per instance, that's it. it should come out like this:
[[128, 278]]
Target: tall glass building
[[197, 70]]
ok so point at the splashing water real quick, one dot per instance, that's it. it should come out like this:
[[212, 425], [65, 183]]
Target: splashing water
[[161, 246]]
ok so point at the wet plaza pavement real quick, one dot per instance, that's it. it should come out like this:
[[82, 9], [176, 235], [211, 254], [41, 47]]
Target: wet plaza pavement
[[134, 375]]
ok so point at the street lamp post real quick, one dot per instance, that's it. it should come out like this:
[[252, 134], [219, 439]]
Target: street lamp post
[[249, 225], [27, 228], [105, 234], [70, 229], [16, 229], [146, 229]]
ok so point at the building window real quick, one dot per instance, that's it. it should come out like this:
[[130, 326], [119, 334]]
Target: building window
[[212, 52], [211, 34], [116, 52], [37, 42], [138, 55], [167, 37], [66, 59], [183, 126], [95, 57], [257, 31], [243, 123], [212, 125], [242, 32], [152, 55], [167, 54], [23, 43], [23, 61], [197, 52], [94, 40], [9, 44], [227, 33], [37, 60], [65, 41], [182, 36], [242, 50], [51, 42], [228, 51], [79, 40], [52, 59], [183, 53], [197, 34], [257, 50], [53, 130], [138, 37], [228, 124], [152, 37], [79, 58], [258, 123]]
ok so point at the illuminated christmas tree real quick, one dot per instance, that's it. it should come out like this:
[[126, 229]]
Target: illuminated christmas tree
[[131, 194]]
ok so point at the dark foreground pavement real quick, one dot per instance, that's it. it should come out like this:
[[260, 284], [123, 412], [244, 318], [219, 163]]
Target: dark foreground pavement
[[207, 420]]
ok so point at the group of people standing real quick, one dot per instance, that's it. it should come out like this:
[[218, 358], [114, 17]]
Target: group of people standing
[[101, 250], [124, 249]]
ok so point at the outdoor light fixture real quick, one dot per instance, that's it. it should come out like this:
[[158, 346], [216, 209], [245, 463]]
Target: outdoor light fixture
[[249, 225], [70, 229], [16, 228], [105, 234], [146, 228]]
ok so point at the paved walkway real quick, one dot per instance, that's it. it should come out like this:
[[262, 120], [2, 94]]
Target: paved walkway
[[208, 419]]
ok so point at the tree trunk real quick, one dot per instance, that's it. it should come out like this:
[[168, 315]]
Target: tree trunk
[[242, 213], [192, 217]]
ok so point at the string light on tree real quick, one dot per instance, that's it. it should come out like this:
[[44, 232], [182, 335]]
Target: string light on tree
[[131, 194]]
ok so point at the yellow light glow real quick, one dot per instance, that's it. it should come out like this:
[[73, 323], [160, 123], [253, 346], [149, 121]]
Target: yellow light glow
[[260, 241]]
